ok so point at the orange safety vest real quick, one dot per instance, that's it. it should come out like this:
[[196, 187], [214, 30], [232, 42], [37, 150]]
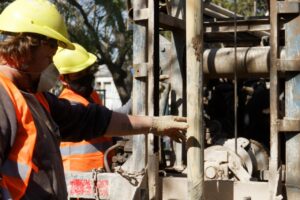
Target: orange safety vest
[[85, 155], [16, 169]]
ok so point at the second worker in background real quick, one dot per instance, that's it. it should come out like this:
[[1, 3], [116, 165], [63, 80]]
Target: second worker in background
[[76, 68]]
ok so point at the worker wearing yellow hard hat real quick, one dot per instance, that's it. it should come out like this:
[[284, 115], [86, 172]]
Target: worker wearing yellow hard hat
[[33, 123], [75, 67], [72, 61], [39, 16]]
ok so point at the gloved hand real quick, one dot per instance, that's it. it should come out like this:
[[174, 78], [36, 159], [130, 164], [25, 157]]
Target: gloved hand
[[172, 126]]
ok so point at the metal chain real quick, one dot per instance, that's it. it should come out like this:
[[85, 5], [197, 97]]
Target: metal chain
[[95, 189], [131, 176]]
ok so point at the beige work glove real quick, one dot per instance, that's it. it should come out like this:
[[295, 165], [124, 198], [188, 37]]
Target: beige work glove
[[172, 126]]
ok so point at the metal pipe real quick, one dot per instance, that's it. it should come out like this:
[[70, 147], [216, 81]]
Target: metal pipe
[[250, 61], [106, 164], [195, 133]]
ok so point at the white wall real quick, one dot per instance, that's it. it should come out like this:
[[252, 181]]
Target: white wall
[[104, 81]]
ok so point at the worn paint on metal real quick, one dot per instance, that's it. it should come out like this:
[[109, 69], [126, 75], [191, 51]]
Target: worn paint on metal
[[292, 99], [176, 188], [84, 187], [292, 36], [292, 111], [113, 186], [81, 187], [103, 188]]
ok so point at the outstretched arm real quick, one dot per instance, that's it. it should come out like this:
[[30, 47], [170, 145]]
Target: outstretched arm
[[78, 122], [172, 126]]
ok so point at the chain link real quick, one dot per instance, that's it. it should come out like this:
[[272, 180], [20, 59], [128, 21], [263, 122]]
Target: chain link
[[131, 176], [95, 181]]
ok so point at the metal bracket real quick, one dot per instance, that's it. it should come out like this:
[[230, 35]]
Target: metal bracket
[[140, 70], [288, 64], [284, 7], [289, 125], [141, 14]]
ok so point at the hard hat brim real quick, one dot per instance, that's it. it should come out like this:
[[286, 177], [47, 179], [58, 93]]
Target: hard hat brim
[[90, 61], [33, 28]]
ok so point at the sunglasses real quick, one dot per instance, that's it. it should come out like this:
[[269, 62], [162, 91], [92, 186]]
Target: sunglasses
[[52, 42]]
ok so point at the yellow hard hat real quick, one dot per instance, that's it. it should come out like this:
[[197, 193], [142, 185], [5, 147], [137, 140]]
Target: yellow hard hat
[[35, 16], [71, 61]]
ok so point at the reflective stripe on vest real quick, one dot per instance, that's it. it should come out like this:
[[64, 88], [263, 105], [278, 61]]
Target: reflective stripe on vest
[[84, 155], [14, 169], [81, 148], [17, 168]]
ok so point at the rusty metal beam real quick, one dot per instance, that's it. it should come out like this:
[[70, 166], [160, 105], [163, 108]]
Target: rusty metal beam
[[171, 23], [218, 11], [176, 69], [274, 137], [195, 133], [137, 161], [153, 95], [252, 25]]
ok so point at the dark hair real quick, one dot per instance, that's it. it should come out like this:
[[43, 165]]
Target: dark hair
[[16, 49]]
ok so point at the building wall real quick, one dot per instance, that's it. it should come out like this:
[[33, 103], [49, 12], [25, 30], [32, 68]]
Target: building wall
[[105, 86]]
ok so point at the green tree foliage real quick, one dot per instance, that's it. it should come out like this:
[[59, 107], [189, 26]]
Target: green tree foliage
[[245, 7], [100, 26], [4, 3]]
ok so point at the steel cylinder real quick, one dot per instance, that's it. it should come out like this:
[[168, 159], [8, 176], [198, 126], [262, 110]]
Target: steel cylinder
[[251, 61]]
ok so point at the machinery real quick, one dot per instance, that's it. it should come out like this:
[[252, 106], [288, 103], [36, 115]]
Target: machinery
[[236, 80], [222, 163]]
